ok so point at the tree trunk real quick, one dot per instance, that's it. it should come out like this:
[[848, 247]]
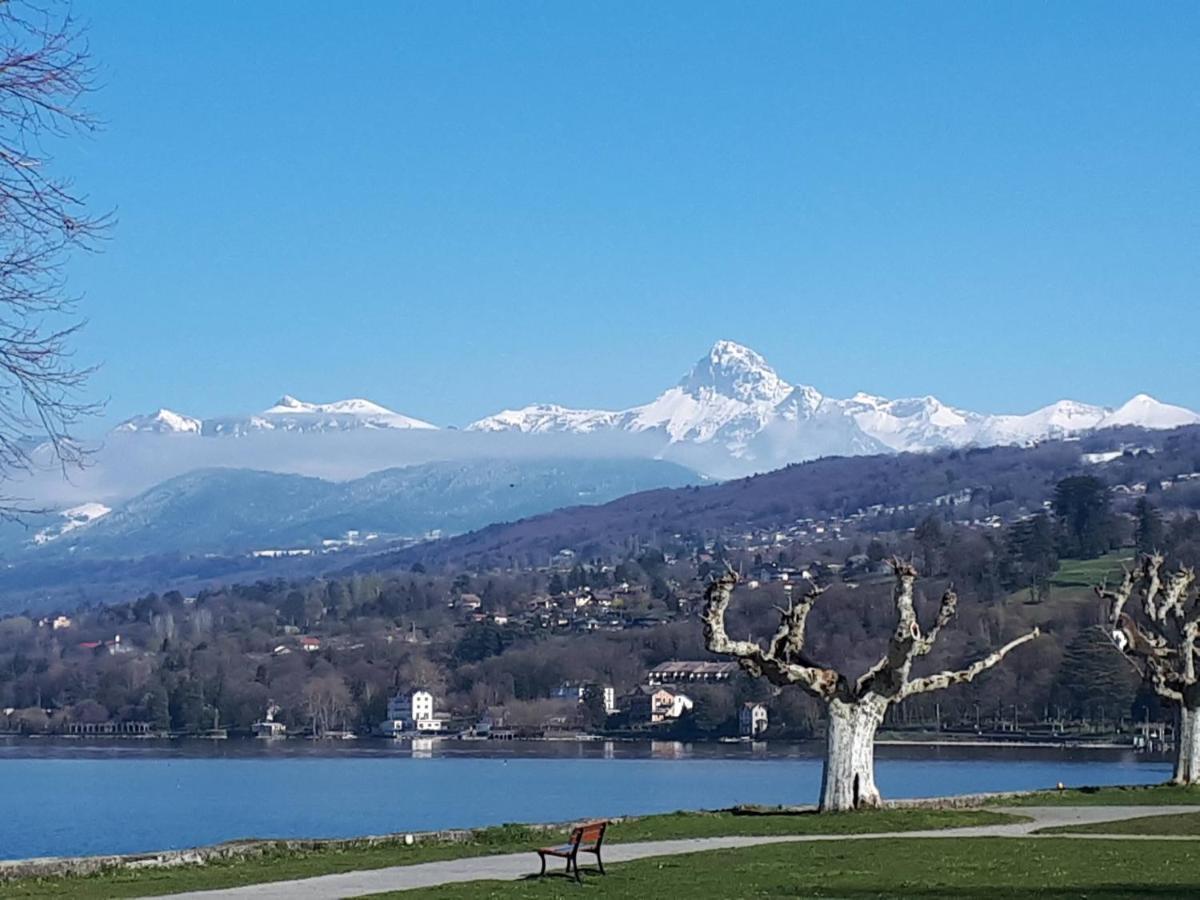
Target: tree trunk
[[1187, 746], [849, 778]]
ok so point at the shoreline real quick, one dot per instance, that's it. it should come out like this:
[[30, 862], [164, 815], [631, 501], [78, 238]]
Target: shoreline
[[1050, 745], [248, 848]]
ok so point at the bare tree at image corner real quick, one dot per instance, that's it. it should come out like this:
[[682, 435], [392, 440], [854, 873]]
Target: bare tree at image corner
[[45, 72], [1160, 639], [855, 708]]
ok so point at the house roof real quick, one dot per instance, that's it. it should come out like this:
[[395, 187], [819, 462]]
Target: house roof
[[698, 667]]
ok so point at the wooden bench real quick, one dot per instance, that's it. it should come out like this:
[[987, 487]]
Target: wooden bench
[[585, 838]]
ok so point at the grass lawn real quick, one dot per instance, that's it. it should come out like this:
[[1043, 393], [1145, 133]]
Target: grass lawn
[[1178, 823], [1134, 795], [286, 864], [960, 869], [1089, 572]]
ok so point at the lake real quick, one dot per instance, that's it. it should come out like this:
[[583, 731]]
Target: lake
[[70, 798]]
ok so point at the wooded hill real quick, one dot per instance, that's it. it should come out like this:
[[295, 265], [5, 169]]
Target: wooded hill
[[892, 491]]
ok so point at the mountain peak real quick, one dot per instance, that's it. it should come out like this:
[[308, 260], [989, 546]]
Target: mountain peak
[[1147, 412], [162, 421], [734, 370], [287, 401]]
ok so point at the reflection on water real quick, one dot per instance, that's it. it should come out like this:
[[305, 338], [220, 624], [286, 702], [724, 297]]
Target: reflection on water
[[668, 749], [422, 748], [71, 797]]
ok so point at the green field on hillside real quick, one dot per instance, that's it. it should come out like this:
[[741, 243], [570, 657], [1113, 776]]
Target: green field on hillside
[[1088, 572]]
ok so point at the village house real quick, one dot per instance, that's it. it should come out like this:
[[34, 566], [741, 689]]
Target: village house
[[653, 704], [686, 671], [413, 712], [268, 727], [752, 719]]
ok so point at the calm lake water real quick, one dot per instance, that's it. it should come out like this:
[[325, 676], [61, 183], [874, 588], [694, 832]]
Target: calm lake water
[[72, 798]]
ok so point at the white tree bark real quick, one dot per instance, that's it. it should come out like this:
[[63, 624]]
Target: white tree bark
[[848, 780], [1187, 746], [1161, 638], [855, 709]]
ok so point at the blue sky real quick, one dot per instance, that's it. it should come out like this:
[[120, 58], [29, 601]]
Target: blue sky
[[450, 208]]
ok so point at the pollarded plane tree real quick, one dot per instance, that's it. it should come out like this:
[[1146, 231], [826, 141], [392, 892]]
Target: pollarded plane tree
[[1161, 643], [855, 708]]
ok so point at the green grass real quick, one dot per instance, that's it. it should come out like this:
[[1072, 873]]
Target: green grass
[[962, 869], [1089, 572], [1134, 795], [1187, 823], [281, 863]]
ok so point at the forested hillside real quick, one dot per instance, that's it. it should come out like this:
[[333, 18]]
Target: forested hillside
[[890, 492]]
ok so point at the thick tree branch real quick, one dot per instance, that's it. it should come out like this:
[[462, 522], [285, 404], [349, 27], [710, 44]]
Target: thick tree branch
[[970, 673], [823, 683], [788, 643]]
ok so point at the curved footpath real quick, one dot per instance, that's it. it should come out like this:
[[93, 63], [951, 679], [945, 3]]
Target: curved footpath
[[514, 866]]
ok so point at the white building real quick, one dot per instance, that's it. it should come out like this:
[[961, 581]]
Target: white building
[[421, 705], [411, 712], [752, 719]]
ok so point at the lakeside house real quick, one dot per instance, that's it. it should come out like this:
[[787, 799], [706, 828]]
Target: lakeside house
[[269, 727], [684, 671], [413, 712], [752, 719], [654, 704]]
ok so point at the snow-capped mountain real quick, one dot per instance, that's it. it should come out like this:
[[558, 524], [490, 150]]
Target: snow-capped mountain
[[732, 398], [164, 421], [1145, 411], [288, 414], [731, 413], [543, 418]]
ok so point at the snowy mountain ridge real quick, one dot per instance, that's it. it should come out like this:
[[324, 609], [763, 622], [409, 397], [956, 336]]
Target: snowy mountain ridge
[[288, 414], [734, 398], [731, 401]]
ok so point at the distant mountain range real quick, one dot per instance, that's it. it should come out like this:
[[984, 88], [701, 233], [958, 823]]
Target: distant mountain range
[[732, 402], [288, 414], [231, 511]]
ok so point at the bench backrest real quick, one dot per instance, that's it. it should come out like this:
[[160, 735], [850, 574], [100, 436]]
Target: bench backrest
[[588, 835]]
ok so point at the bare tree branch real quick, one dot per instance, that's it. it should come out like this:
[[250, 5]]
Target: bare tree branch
[[856, 710], [45, 72], [970, 673], [820, 682]]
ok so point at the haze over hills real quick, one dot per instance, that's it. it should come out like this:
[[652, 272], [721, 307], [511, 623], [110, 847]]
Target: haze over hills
[[730, 414], [234, 511]]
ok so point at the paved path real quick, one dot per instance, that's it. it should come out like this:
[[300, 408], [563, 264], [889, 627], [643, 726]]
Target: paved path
[[513, 866]]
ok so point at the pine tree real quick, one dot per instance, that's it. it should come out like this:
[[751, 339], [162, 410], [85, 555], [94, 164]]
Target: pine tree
[[1093, 682], [1085, 525], [1148, 531]]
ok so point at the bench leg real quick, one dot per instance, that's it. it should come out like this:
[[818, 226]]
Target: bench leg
[[574, 861], [600, 864], [542, 857]]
